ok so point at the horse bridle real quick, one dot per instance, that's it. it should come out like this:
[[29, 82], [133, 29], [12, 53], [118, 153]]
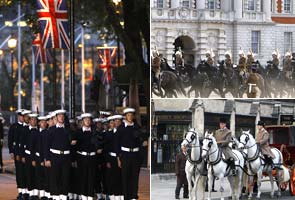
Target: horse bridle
[[193, 136], [257, 151], [208, 154]]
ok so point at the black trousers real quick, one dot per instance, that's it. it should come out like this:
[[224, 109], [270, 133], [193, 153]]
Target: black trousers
[[47, 179], [40, 176], [86, 168], [130, 175], [114, 177], [30, 175], [98, 184], [1, 158], [60, 177], [20, 174], [181, 182]]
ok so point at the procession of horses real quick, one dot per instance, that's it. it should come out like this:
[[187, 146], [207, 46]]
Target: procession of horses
[[249, 78], [206, 161]]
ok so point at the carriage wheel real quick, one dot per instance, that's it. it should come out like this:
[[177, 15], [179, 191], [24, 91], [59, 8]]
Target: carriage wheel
[[292, 182]]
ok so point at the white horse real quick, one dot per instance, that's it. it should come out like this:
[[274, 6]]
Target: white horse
[[194, 164], [217, 167], [256, 165]]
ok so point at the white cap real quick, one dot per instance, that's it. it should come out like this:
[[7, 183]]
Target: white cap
[[26, 112], [104, 120], [85, 115], [95, 120], [208, 52], [104, 113], [19, 111], [61, 111], [79, 117], [128, 110], [33, 115], [40, 118], [227, 53], [114, 117], [274, 53]]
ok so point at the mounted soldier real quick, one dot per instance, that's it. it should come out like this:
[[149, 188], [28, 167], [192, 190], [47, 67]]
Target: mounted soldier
[[179, 61], [275, 59], [228, 61], [287, 66], [210, 57], [242, 67], [250, 60]]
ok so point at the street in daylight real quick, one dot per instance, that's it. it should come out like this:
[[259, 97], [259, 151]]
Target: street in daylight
[[74, 100]]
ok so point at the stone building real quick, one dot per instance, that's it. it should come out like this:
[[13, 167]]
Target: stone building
[[221, 25]]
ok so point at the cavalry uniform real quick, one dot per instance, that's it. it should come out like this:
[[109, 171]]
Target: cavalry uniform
[[262, 138], [210, 61], [253, 83], [59, 155], [287, 67], [14, 144], [128, 145], [250, 61], [275, 63], [86, 160], [242, 65], [181, 175]]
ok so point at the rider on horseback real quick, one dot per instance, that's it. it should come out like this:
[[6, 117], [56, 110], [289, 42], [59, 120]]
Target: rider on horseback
[[287, 66], [250, 60], [228, 61], [275, 59], [242, 67], [179, 61], [210, 57], [223, 138], [262, 138]]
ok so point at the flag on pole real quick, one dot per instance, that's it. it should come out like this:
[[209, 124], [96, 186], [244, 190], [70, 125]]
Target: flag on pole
[[106, 60], [42, 55], [53, 21]]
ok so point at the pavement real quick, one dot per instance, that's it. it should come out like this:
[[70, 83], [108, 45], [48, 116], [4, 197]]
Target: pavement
[[162, 188], [8, 185]]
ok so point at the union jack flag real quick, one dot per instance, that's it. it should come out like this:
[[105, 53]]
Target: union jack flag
[[53, 21], [42, 55], [106, 60]]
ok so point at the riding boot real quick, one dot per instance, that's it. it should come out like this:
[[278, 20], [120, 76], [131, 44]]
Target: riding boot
[[232, 166]]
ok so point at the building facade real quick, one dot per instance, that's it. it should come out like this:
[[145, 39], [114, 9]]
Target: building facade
[[171, 119], [199, 25]]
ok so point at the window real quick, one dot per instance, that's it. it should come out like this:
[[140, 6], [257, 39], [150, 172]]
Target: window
[[251, 5], [213, 4], [255, 41], [287, 41], [185, 4], [160, 3], [287, 6]]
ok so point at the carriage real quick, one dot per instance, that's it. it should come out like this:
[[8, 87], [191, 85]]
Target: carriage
[[283, 138]]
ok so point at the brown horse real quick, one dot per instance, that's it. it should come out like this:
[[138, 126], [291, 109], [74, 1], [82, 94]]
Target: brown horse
[[255, 85]]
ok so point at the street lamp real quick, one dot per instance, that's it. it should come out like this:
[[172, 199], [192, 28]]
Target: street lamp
[[12, 42]]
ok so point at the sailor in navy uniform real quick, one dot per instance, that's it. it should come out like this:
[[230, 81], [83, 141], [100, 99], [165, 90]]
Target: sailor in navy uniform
[[99, 158], [22, 147], [129, 160], [51, 121], [42, 185], [74, 179], [30, 155], [13, 146], [116, 186], [86, 157], [58, 157]]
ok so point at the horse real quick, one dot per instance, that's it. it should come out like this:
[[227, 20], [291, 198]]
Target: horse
[[164, 77], [218, 167], [257, 165], [194, 164], [272, 78]]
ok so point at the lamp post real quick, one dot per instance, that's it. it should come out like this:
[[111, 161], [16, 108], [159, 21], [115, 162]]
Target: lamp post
[[12, 42]]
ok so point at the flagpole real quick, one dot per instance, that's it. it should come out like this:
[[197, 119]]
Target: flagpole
[[72, 59], [19, 103], [83, 70], [62, 78], [33, 107], [42, 88]]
